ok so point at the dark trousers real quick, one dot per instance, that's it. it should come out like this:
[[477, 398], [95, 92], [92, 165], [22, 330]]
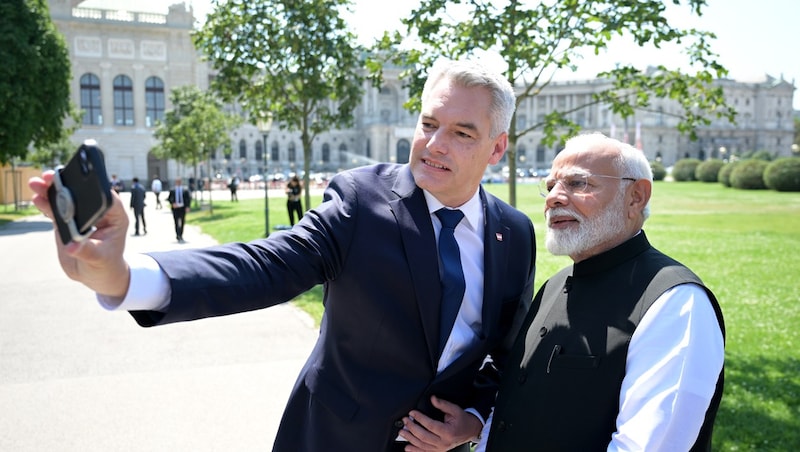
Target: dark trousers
[[139, 214], [179, 215], [294, 207], [158, 201]]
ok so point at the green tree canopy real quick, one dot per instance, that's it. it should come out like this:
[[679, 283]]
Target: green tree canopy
[[34, 78], [195, 126], [537, 39], [296, 61]]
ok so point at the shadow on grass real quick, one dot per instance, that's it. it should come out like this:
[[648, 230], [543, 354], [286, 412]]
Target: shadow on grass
[[760, 408]]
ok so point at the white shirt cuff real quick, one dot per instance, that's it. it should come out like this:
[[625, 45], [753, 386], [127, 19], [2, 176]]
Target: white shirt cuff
[[149, 288]]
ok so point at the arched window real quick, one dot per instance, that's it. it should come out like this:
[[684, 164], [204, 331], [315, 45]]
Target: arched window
[[242, 150], [274, 152], [540, 154], [326, 153], [90, 100], [259, 151], [403, 151], [292, 153], [123, 101], [343, 155], [154, 101]]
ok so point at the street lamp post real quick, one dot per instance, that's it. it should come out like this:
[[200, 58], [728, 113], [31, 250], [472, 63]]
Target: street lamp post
[[264, 126]]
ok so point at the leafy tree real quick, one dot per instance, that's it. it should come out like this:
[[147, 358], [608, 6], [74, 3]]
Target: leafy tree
[[195, 127], [52, 154], [34, 78], [295, 61], [537, 39]]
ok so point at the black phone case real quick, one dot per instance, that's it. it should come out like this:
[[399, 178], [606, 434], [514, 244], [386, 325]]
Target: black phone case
[[81, 193]]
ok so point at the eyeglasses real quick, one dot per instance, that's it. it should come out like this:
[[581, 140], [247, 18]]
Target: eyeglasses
[[574, 183]]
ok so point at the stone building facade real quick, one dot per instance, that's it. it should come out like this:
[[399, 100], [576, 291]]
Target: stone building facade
[[125, 64]]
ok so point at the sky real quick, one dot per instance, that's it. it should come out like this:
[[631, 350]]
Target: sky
[[753, 38]]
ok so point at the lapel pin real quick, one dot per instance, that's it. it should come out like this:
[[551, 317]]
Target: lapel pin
[[498, 236]]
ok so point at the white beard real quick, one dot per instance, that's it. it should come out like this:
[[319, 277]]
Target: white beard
[[590, 232]]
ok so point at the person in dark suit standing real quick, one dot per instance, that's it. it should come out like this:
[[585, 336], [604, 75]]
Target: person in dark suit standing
[[137, 204], [180, 198], [294, 206], [391, 345]]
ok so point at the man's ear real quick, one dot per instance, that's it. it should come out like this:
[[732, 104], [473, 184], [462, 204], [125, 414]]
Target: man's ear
[[640, 195], [499, 150]]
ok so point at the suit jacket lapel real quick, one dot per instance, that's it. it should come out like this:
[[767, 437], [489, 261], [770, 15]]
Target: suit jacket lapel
[[496, 246], [419, 243]]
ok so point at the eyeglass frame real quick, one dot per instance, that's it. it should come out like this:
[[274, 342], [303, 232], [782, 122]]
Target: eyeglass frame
[[544, 191]]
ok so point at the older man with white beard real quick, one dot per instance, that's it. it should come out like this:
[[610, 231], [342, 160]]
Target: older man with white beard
[[624, 349]]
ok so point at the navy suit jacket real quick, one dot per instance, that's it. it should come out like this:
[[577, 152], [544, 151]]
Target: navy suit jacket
[[372, 244], [186, 194]]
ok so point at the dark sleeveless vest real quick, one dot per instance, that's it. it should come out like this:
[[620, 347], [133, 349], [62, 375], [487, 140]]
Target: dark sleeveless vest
[[560, 391]]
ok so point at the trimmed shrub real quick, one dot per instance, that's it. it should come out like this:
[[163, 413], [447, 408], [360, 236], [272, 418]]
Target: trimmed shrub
[[749, 175], [708, 171], [659, 172], [724, 175], [762, 155], [783, 174], [684, 169]]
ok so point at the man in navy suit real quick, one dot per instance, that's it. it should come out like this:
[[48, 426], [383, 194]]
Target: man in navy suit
[[180, 199], [377, 379], [137, 204]]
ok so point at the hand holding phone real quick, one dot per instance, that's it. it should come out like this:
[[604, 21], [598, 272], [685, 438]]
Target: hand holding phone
[[80, 194]]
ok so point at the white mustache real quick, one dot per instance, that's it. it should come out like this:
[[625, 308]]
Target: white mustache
[[562, 212]]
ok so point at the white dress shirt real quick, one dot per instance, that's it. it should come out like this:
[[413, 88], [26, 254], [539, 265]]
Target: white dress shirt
[[674, 358]]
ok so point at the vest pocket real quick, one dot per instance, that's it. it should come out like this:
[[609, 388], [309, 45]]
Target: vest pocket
[[559, 360]]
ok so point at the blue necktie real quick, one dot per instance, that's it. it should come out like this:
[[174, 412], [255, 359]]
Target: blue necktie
[[453, 284]]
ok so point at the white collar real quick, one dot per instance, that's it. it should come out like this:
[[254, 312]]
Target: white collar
[[472, 209]]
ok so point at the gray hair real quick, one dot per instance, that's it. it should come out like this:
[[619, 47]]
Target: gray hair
[[469, 73], [629, 162]]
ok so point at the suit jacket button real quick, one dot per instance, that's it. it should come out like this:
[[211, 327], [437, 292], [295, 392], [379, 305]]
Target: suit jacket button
[[542, 332], [523, 377], [501, 426], [398, 423]]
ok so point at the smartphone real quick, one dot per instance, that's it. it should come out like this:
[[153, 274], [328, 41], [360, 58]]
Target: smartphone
[[81, 193]]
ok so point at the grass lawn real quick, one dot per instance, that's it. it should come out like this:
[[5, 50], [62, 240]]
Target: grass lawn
[[9, 214], [745, 245]]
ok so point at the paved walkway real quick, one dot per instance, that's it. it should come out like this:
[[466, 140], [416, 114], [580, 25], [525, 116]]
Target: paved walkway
[[74, 377]]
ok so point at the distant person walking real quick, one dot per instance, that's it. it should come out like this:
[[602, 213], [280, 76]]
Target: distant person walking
[[137, 204], [233, 186], [117, 184], [180, 198], [156, 188], [294, 188]]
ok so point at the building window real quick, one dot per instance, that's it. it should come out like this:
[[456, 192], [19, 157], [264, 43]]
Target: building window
[[259, 151], [274, 152], [326, 153], [90, 100], [123, 101], [522, 122], [343, 156], [154, 101], [292, 153], [540, 154], [403, 151], [242, 150]]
